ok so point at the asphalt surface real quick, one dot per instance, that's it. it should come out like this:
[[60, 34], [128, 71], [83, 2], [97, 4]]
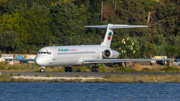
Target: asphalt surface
[[68, 74]]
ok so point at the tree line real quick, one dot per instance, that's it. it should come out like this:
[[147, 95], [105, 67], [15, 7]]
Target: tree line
[[34, 24]]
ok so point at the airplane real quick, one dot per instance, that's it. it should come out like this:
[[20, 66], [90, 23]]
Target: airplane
[[80, 55]]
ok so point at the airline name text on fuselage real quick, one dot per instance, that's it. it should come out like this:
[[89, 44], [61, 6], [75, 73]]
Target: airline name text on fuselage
[[66, 50]]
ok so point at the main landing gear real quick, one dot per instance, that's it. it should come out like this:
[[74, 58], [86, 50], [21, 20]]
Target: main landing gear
[[95, 68], [68, 69]]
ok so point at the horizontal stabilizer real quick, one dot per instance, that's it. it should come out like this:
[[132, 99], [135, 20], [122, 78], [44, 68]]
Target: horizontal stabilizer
[[126, 26], [96, 26], [111, 26]]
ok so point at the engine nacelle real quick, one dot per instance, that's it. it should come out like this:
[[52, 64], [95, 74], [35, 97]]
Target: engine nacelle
[[110, 54]]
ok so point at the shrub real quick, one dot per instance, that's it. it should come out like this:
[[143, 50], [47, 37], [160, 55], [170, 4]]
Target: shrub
[[36, 75], [108, 76], [146, 70], [123, 69], [19, 74], [11, 74], [2, 67], [76, 75], [22, 68], [85, 76], [170, 68], [77, 68], [142, 74], [47, 75], [150, 75], [102, 68], [10, 68]]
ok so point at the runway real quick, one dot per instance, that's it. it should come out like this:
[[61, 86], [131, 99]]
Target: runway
[[70, 74]]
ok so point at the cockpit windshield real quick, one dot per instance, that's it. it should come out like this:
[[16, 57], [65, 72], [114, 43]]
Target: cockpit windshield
[[44, 53]]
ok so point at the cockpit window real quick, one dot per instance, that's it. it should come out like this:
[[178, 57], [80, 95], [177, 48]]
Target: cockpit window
[[44, 52]]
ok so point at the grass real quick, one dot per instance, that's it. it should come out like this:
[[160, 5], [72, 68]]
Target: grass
[[146, 70], [5, 67], [107, 79], [170, 69], [142, 78]]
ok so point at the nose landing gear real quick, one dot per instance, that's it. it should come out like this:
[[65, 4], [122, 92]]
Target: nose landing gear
[[42, 70]]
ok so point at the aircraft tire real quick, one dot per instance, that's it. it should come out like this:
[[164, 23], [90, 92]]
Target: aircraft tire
[[97, 69], [42, 70], [66, 69], [70, 69], [93, 69]]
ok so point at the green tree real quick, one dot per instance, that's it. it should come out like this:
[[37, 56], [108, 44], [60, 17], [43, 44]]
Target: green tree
[[171, 51], [66, 22], [31, 26], [132, 12], [39, 30], [7, 44], [13, 6], [166, 18], [148, 5], [147, 50]]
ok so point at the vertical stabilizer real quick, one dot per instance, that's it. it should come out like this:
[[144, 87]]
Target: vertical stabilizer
[[110, 29], [108, 36]]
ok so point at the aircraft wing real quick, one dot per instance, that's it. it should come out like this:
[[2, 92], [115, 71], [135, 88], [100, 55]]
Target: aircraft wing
[[25, 60], [120, 60]]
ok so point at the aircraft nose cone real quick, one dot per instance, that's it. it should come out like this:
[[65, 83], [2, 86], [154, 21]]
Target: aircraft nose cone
[[38, 61]]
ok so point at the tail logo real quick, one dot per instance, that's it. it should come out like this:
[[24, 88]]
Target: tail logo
[[109, 35]]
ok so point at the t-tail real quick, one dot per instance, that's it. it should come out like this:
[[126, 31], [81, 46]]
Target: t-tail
[[110, 29]]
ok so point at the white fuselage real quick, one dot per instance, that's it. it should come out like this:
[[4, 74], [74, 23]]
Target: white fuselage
[[68, 55], [76, 55]]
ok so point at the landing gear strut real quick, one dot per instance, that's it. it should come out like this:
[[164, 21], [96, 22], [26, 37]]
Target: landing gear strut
[[95, 68], [68, 69]]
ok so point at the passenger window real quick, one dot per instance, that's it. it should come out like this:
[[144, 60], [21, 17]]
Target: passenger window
[[41, 52], [44, 52], [47, 52]]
